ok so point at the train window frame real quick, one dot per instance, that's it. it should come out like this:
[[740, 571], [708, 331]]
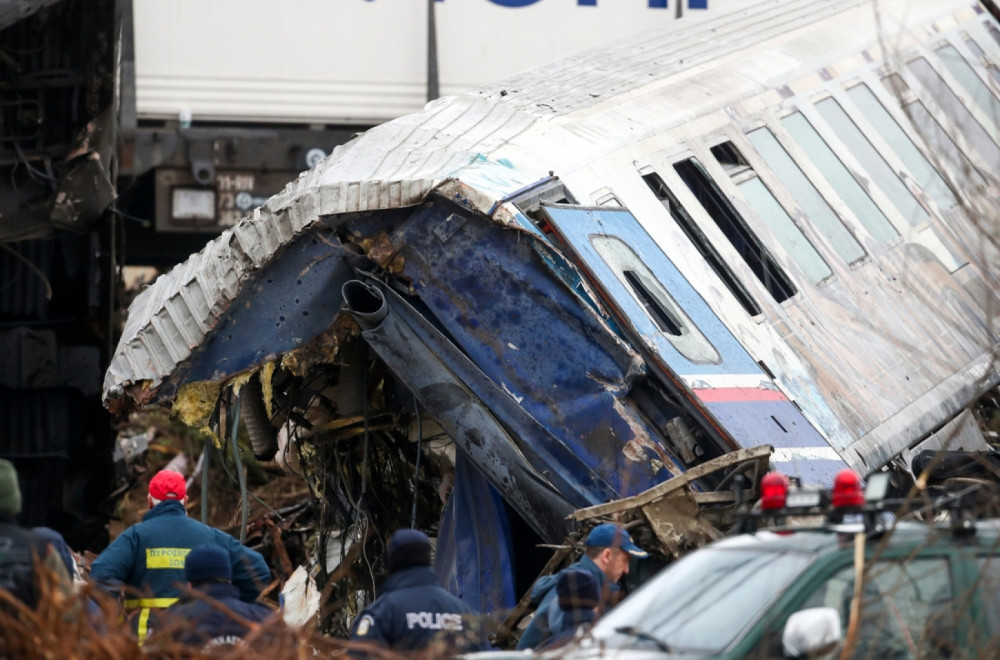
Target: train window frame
[[831, 110], [661, 307], [955, 109], [699, 240], [734, 227], [840, 178], [994, 32], [962, 71], [972, 45], [761, 197], [789, 174], [606, 197], [923, 173], [931, 131]]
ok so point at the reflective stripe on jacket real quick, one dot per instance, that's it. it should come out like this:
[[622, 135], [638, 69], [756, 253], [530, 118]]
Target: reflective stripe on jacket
[[147, 559]]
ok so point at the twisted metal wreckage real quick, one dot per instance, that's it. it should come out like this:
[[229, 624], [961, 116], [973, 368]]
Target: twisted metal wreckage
[[437, 291]]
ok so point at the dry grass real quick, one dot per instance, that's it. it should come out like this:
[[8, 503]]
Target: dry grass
[[60, 628]]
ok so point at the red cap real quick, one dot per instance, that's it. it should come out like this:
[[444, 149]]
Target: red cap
[[167, 485]]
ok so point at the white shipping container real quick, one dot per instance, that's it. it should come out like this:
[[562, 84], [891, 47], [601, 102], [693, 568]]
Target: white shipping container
[[358, 61]]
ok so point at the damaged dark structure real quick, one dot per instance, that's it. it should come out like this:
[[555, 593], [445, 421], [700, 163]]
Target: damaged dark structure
[[59, 243], [585, 283]]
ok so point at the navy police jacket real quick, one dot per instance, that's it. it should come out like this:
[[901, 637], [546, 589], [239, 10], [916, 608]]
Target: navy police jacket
[[208, 624], [412, 610], [149, 558], [20, 549]]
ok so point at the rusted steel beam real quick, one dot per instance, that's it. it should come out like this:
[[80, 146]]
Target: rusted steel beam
[[761, 454]]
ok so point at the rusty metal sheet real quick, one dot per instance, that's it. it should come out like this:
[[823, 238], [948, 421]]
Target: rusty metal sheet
[[676, 523]]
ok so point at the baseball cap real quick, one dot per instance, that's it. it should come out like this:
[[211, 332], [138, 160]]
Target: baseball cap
[[168, 485], [610, 535]]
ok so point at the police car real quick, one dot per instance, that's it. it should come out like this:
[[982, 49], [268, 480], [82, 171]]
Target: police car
[[883, 585]]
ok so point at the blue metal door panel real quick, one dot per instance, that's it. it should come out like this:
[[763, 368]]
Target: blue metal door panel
[[731, 390]]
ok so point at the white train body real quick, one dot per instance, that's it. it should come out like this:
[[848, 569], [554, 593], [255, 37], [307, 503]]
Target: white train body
[[777, 228]]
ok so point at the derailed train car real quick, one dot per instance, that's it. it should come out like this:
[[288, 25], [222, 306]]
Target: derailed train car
[[773, 229]]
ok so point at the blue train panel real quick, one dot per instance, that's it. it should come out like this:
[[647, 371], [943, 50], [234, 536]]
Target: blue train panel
[[687, 343]]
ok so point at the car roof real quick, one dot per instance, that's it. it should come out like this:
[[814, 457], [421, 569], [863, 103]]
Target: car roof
[[831, 538]]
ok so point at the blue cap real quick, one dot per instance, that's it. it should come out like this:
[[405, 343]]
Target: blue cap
[[610, 535], [208, 562]]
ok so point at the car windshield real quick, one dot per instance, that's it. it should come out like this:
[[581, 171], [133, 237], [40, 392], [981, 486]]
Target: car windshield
[[700, 603]]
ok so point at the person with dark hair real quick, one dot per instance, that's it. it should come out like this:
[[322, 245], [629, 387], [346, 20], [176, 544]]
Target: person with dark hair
[[147, 559], [213, 614], [59, 544], [22, 551], [413, 609], [607, 552]]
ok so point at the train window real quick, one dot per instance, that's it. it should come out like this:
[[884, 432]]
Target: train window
[[771, 212], [701, 242], [928, 178], [871, 160], [840, 178], [978, 52], [785, 230], [806, 196], [970, 80], [604, 197], [657, 301], [939, 142], [729, 221], [956, 110]]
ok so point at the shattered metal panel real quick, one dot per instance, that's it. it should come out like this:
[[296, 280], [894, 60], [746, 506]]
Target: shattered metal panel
[[289, 301], [498, 299], [450, 389]]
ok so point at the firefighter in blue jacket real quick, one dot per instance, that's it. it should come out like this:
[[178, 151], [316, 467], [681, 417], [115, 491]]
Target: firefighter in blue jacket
[[213, 615], [413, 609], [147, 559]]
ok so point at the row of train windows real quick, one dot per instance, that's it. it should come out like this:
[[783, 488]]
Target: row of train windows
[[831, 121]]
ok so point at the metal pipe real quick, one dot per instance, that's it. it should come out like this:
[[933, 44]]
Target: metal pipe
[[234, 428], [416, 467], [207, 459], [364, 408], [432, 54]]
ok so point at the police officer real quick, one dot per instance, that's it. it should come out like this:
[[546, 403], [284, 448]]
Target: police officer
[[607, 552], [148, 558], [414, 609], [213, 615], [21, 548]]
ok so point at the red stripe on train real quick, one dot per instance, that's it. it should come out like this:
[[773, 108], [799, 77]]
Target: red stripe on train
[[739, 395]]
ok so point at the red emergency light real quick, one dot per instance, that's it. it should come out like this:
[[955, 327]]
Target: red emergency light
[[773, 491], [847, 490]]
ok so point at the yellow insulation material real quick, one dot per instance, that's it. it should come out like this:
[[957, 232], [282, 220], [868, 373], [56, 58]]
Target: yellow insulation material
[[265, 385], [194, 405]]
